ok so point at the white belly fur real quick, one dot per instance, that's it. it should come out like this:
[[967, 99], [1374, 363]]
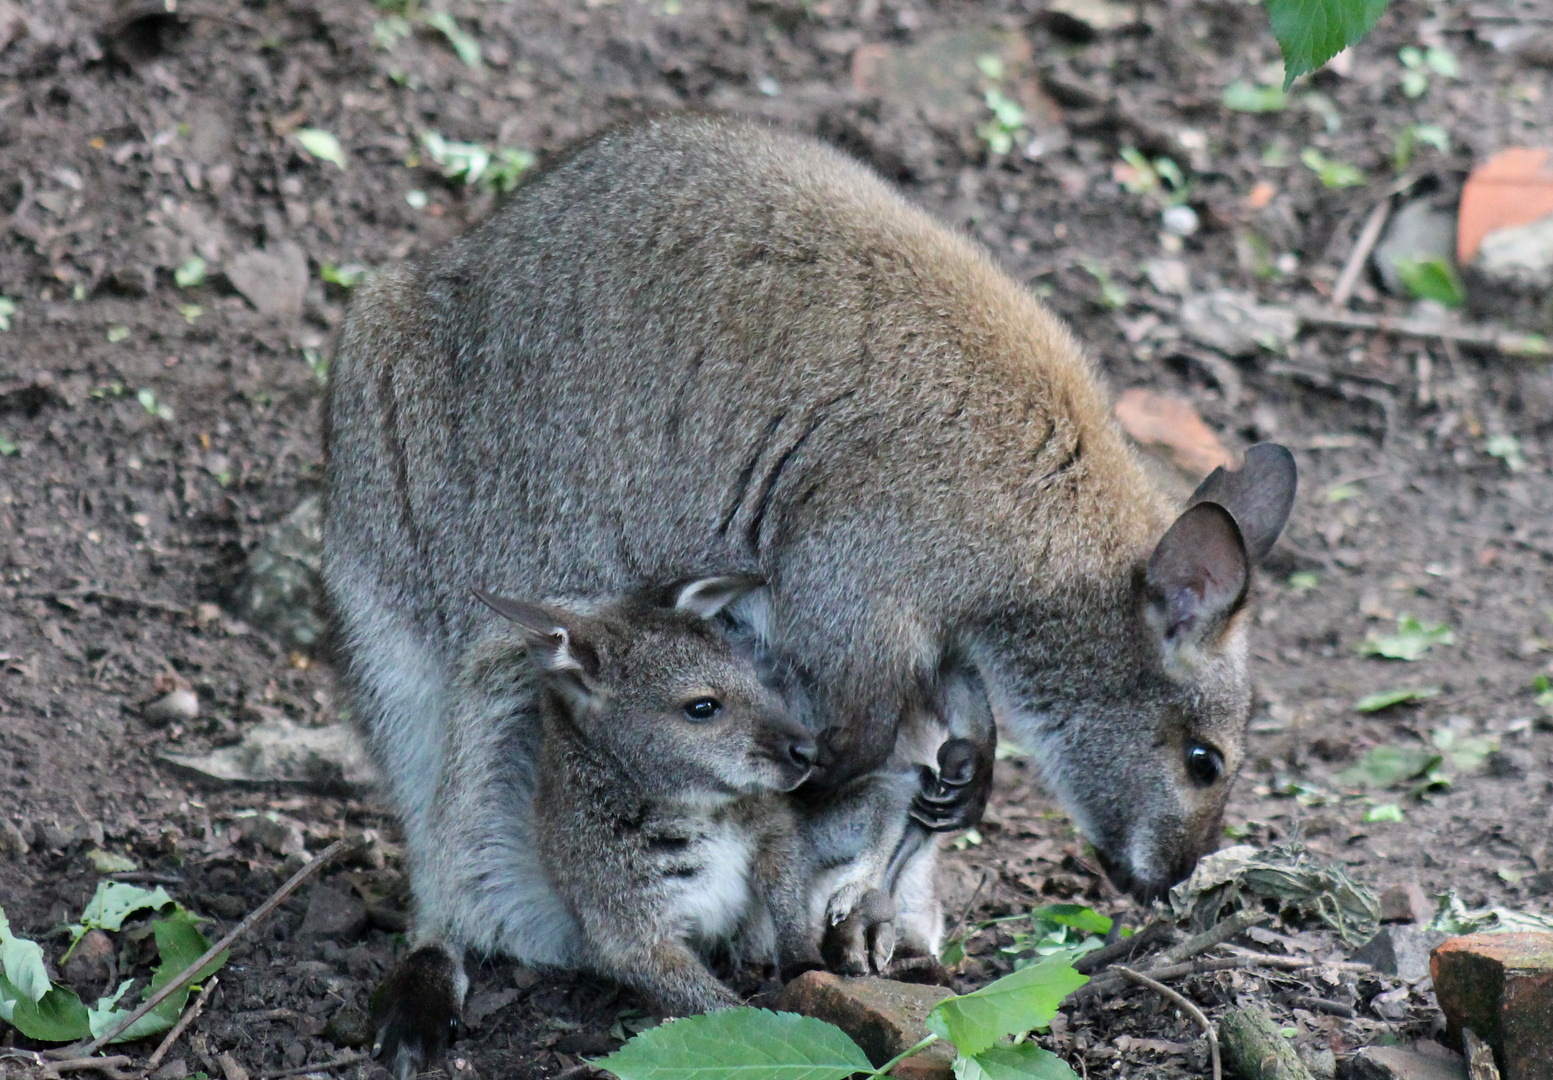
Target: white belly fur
[[714, 904]]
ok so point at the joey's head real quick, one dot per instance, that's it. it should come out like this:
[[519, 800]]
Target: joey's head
[[1137, 714], [651, 683]]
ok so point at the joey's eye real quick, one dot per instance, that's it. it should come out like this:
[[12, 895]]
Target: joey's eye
[[1204, 764], [703, 708]]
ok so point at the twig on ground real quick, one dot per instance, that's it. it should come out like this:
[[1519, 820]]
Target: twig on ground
[[1322, 1005], [1109, 982], [318, 1066], [1185, 1006], [582, 1068], [145, 877], [254, 916], [1122, 948], [1218, 934], [182, 1025], [965, 912], [1361, 252], [1485, 337], [108, 1065]]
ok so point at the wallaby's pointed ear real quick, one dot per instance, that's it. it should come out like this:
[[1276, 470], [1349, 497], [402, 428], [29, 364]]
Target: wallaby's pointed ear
[[1258, 495], [551, 634], [1197, 577], [707, 596]]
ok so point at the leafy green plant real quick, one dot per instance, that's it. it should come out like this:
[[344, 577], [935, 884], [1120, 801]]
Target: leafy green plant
[[1385, 699], [1383, 812], [1071, 929], [1311, 32], [1387, 766], [1542, 686], [1419, 64], [1432, 279], [1412, 639], [1005, 125], [1333, 174], [467, 48], [320, 144], [191, 273], [41, 1009], [1507, 448], [754, 1044], [7, 309], [1161, 178], [1410, 138], [476, 164], [1112, 295], [1302, 581], [160, 410], [1244, 97]]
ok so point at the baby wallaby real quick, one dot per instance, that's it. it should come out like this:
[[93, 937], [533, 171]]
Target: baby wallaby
[[655, 813]]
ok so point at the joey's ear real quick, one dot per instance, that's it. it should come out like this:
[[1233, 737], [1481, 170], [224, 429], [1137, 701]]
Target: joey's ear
[[1258, 495], [550, 633], [707, 596], [1197, 577]]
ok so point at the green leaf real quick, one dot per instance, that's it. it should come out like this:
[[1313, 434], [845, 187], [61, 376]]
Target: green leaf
[[115, 901], [7, 309], [1412, 639], [107, 862], [739, 1044], [1026, 1061], [1387, 765], [1077, 916], [1333, 174], [1243, 97], [1432, 279], [1387, 698], [468, 48], [58, 1016], [1014, 1004], [21, 963], [191, 273], [346, 277], [321, 144], [178, 944], [1384, 812], [1311, 32]]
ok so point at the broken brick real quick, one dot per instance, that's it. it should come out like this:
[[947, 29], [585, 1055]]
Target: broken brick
[[1501, 986], [1514, 187], [884, 1017]]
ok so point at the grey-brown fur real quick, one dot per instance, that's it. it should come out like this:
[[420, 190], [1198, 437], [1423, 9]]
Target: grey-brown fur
[[700, 344], [583, 809]]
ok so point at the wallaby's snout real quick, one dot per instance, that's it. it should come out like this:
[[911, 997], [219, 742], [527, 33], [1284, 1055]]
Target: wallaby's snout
[[791, 748]]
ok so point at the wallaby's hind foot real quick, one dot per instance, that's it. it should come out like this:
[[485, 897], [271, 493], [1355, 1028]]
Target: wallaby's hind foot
[[863, 942], [416, 1012], [954, 797]]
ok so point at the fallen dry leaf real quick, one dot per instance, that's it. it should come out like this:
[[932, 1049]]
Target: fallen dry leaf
[[1157, 420]]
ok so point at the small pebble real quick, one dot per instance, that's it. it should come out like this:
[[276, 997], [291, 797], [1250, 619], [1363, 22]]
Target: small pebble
[[1180, 220]]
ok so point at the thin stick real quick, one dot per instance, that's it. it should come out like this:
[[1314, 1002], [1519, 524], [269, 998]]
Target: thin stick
[[965, 912], [1486, 337], [1361, 252], [183, 1024], [215, 950], [321, 1066], [1187, 1007], [1121, 948], [1233, 926], [1107, 983], [108, 1065]]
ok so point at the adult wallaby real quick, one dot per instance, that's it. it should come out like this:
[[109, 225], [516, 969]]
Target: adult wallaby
[[696, 344], [629, 757]]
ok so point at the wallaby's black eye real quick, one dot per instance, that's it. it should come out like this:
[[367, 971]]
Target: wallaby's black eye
[[703, 708], [1204, 764]]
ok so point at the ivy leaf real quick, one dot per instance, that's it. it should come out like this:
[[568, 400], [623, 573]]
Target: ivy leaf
[[1011, 1006], [739, 1044], [1025, 1061], [1311, 32]]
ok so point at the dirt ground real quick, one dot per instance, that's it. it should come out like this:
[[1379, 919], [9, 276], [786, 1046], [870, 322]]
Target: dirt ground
[[132, 140]]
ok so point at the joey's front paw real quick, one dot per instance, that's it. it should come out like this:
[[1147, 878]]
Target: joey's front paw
[[863, 941], [415, 1013], [954, 796]]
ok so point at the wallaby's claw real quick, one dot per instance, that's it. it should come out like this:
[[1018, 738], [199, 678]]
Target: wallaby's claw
[[954, 795], [863, 942], [415, 1013]]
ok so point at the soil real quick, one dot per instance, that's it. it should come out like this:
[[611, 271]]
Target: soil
[[134, 139]]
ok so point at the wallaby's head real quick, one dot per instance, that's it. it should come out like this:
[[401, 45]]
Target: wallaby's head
[[1139, 705], [650, 682]]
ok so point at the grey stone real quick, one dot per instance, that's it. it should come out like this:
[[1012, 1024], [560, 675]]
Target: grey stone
[[176, 1069], [13, 845], [92, 963], [273, 279], [1406, 1063], [1402, 951], [1236, 325], [1521, 256], [281, 592], [332, 915], [278, 835], [1419, 230], [324, 759], [349, 1026]]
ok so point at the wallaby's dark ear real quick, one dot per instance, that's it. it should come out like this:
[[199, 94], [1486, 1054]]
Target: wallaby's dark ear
[[707, 596], [1258, 495], [1197, 577], [551, 634]]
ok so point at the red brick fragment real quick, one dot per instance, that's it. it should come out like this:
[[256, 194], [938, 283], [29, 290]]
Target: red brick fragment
[[883, 1016], [1501, 986]]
